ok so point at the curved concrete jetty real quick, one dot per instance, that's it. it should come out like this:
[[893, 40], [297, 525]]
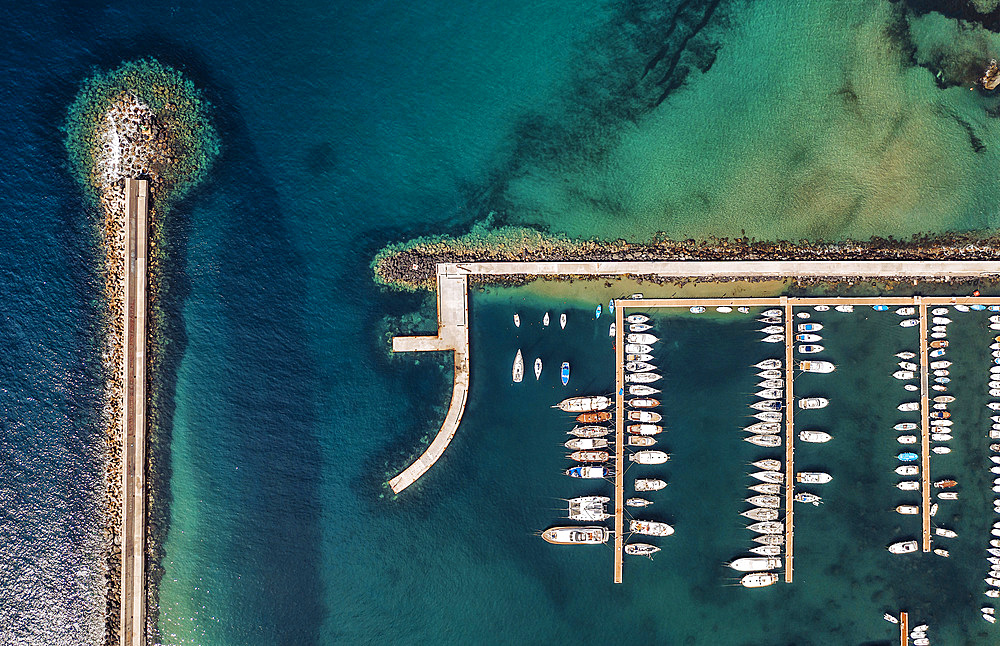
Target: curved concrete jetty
[[453, 334]]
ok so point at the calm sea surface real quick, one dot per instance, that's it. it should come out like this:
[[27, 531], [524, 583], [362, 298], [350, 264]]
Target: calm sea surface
[[347, 126]]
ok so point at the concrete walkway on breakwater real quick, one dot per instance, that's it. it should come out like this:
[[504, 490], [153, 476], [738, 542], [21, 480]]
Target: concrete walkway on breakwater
[[133, 593], [453, 334], [453, 306]]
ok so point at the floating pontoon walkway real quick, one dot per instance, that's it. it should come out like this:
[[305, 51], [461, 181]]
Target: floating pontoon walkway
[[619, 438], [789, 443], [925, 441]]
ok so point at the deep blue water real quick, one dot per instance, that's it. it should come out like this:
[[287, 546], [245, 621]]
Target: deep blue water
[[347, 126]]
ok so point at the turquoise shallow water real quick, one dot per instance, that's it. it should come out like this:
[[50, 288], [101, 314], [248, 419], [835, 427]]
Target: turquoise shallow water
[[346, 127]]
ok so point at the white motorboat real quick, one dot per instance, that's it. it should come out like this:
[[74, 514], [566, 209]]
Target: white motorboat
[[650, 528], [907, 439], [940, 373], [770, 393], [644, 429], [770, 374], [767, 527], [906, 311], [907, 407], [772, 329], [803, 315], [639, 327], [589, 471], [908, 365], [771, 502], [649, 484], [758, 579], [538, 369], [638, 357], [940, 365], [644, 416], [755, 564], [941, 422], [911, 388], [908, 485], [589, 508], [821, 308], [808, 338], [642, 377], [816, 366], [545, 320], [844, 308], [806, 497], [596, 535], [769, 488], [776, 383], [903, 547], [813, 477], [766, 550], [643, 402], [909, 323], [891, 619], [771, 312], [947, 533], [638, 502], [644, 339], [639, 366], [637, 318], [809, 327], [611, 329], [769, 476], [768, 364], [941, 450], [767, 405], [939, 311], [812, 403], [907, 470], [939, 387], [941, 437], [993, 405], [939, 328], [768, 416], [774, 338], [770, 464], [809, 349], [638, 348], [764, 428], [764, 440], [905, 426], [906, 355], [641, 390], [562, 320], [517, 320], [817, 437], [940, 320], [723, 309], [587, 443], [640, 440], [649, 457], [517, 373], [938, 335], [584, 404], [641, 549], [696, 309], [761, 514], [907, 510]]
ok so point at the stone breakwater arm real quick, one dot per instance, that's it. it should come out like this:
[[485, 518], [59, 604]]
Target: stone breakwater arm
[[133, 593], [453, 334]]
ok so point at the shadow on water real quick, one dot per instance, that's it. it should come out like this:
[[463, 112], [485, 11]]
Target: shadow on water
[[261, 294]]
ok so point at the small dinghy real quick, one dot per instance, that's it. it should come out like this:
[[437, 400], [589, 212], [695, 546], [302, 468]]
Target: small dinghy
[[822, 308], [939, 311], [517, 320], [911, 388], [611, 305], [880, 308], [611, 329]]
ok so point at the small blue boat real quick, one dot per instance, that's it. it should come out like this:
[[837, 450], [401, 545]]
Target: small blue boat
[[994, 308], [977, 307], [565, 372], [942, 380], [907, 457], [880, 308], [597, 312], [611, 305]]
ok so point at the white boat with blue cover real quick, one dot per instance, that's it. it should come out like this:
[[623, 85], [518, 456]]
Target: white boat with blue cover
[[637, 318], [597, 312], [809, 327], [810, 349]]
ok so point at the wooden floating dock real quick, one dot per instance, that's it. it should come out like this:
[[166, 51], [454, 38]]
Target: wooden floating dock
[[925, 433], [133, 581], [619, 440], [904, 629], [789, 442]]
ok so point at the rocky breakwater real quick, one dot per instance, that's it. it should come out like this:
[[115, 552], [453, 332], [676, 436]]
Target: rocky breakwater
[[412, 265], [142, 120]]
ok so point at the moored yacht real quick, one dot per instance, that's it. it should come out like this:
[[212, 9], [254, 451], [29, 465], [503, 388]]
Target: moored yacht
[[903, 547], [576, 535], [641, 390], [641, 549], [638, 348], [649, 457], [590, 431], [768, 416], [538, 368], [769, 488], [584, 404], [588, 471], [586, 443], [764, 428], [763, 500], [815, 436], [642, 377], [637, 318], [755, 564], [645, 339], [589, 456], [809, 349], [761, 513], [806, 497], [774, 338], [809, 327], [644, 416], [649, 484], [808, 338], [768, 364], [643, 402], [517, 373], [908, 407], [644, 429], [650, 528], [769, 476], [638, 502], [767, 405], [770, 464], [816, 366], [639, 366], [813, 477], [758, 579], [809, 403], [589, 508], [767, 527], [562, 320], [640, 440], [769, 441]]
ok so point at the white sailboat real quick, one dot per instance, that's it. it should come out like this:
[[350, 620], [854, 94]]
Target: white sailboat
[[517, 372], [562, 320]]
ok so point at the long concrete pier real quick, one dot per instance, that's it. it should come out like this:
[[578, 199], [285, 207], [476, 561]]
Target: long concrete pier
[[619, 439], [133, 590], [789, 443], [925, 442]]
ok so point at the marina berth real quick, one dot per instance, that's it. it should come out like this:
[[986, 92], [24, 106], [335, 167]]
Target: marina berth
[[649, 457], [759, 579], [649, 484], [816, 366], [589, 472], [650, 528], [766, 550], [595, 535], [817, 437], [584, 404], [755, 564]]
